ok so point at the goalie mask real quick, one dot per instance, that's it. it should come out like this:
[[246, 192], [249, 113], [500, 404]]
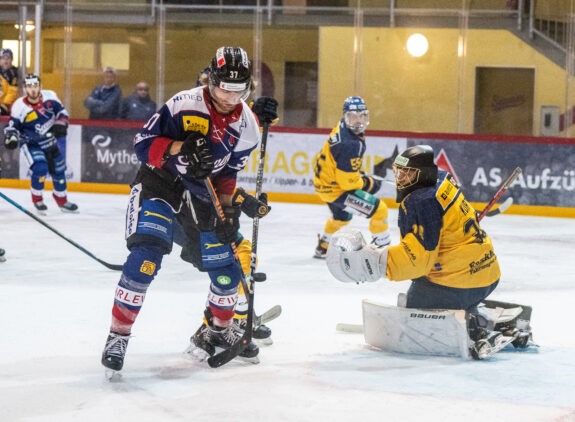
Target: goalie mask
[[355, 114], [414, 169], [229, 77]]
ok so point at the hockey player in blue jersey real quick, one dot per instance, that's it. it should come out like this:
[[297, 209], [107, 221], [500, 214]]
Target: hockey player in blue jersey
[[339, 182], [443, 250], [205, 132], [37, 121]]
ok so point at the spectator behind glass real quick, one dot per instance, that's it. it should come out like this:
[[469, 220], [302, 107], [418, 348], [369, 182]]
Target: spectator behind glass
[[8, 81], [104, 101], [139, 105]]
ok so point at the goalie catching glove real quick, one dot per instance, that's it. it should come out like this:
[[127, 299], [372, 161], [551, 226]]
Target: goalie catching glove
[[251, 206], [351, 260]]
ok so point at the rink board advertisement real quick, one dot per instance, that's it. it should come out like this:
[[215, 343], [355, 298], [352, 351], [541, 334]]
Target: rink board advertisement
[[104, 154]]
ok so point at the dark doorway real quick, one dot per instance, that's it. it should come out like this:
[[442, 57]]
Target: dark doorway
[[300, 104], [504, 101]]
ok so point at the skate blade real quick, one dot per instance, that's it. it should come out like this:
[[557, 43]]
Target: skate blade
[[487, 351], [196, 354], [42, 213], [112, 375], [255, 360], [65, 211], [264, 341]]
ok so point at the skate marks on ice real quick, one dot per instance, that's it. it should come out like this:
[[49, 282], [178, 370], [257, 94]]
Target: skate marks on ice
[[537, 376]]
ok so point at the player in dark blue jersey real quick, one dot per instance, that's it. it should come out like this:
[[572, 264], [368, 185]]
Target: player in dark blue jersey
[[37, 121], [204, 132], [339, 181]]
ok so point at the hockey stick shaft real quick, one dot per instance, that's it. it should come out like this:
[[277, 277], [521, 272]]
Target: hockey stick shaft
[[70, 241], [500, 192], [227, 355]]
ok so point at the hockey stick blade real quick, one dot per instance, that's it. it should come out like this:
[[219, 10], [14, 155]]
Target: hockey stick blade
[[343, 327], [227, 355], [501, 209], [269, 315], [70, 241]]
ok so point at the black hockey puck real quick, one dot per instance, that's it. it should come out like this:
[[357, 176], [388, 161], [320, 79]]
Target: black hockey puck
[[259, 277]]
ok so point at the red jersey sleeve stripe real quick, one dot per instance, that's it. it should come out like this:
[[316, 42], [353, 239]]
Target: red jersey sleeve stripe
[[157, 150]]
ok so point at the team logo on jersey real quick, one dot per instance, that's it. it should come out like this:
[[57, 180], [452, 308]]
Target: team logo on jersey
[[31, 116], [196, 124], [224, 280], [148, 268]]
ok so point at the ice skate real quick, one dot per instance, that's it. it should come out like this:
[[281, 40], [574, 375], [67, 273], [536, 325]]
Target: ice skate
[[207, 341], [261, 333], [321, 248], [41, 207], [69, 207], [2, 255], [381, 239], [113, 354]]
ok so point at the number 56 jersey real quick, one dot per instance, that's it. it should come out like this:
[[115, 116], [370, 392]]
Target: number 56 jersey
[[441, 239]]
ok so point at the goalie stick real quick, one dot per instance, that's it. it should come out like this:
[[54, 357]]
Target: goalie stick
[[501, 208], [500, 192], [49, 227]]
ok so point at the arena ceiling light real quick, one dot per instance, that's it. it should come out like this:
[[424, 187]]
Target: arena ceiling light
[[417, 45]]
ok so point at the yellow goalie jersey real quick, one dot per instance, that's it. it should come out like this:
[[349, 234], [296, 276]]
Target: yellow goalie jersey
[[336, 167], [441, 239]]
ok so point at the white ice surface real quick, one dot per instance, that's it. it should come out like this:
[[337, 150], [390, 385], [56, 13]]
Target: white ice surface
[[55, 305]]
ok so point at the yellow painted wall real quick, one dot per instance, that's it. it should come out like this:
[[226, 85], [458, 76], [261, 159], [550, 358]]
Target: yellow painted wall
[[422, 94]]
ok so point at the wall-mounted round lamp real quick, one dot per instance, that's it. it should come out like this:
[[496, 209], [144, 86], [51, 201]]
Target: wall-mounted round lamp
[[417, 45]]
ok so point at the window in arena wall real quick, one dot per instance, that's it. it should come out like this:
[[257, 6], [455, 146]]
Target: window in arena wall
[[82, 54], [93, 56], [116, 55], [13, 45]]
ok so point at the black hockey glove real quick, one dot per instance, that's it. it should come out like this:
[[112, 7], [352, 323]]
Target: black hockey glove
[[251, 206], [11, 141], [227, 231], [196, 150], [370, 185], [266, 108], [59, 130]]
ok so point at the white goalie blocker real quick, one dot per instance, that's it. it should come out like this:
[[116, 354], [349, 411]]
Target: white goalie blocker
[[416, 331]]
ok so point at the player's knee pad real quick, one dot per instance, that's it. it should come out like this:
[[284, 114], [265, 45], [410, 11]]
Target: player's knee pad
[[139, 270], [379, 220], [223, 294], [151, 224], [143, 263], [39, 169], [332, 225]]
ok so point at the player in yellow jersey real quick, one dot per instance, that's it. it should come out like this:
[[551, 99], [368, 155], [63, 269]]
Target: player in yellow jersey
[[339, 182], [443, 250]]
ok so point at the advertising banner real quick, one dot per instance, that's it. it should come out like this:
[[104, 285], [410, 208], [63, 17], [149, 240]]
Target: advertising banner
[[108, 155]]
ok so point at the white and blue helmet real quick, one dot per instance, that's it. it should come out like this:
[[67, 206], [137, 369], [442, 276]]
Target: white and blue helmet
[[355, 114]]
